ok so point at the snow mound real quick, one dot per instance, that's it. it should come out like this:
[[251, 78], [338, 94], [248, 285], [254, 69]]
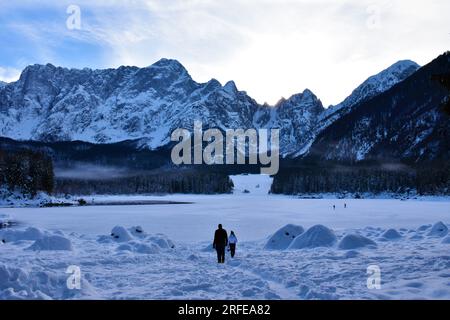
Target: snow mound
[[138, 232], [52, 243], [4, 220], [135, 239], [316, 236], [439, 229], [446, 240], [120, 234], [31, 234], [208, 248], [351, 254], [162, 241], [354, 241], [391, 234], [18, 284], [416, 237], [193, 257], [281, 239], [424, 227], [138, 247]]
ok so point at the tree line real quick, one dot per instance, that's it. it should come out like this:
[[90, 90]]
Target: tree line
[[26, 171], [155, 183], [422, 180], [29, 172]]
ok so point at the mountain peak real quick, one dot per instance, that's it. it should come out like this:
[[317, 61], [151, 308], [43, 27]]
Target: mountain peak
[[306, 95], [406, 63], [36, 67], [298, 98], [401, 69], [39, 70], [279, 102], [230, 87], [167, 68], [377, 84], [168, 64]]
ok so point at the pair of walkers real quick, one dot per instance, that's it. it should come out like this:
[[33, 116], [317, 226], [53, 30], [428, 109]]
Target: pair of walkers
[[221, 241]]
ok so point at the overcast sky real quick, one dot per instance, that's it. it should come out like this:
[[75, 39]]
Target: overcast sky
[[270, 48]]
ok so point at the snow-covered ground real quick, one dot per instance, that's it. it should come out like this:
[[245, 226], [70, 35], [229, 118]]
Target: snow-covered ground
[[127, 264]]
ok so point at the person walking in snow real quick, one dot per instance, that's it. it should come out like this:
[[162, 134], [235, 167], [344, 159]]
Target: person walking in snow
[[232, 240], [220, 243]]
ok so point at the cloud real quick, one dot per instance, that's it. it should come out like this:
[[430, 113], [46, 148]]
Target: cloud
[[271, 48], [8, 74]]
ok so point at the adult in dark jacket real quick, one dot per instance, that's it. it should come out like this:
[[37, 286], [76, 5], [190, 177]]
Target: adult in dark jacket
[[220, 243]]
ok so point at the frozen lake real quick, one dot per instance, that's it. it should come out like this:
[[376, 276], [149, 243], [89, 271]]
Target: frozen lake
[[252, 216]]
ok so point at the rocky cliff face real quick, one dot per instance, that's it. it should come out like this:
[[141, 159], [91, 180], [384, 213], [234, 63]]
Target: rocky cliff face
[[100, 106]]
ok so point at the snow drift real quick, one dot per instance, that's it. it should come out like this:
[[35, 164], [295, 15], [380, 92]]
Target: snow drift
[[52, 243], [135, 239], [162, 241], [134, 246], [31, 234], [18, 284]]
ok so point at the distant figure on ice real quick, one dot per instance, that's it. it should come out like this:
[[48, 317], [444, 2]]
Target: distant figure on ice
[[345, 206], [232, 240], [334, 207], [220, 243]]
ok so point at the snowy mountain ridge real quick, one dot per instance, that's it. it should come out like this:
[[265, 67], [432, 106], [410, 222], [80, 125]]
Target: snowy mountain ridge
[[405, 122], [376, 84], [51, 103], [370, 88]]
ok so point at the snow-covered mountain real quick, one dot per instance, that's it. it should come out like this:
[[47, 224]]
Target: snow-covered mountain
[[296, 118], [370, 88], [375, 85], [405, 122], [51, 103]]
